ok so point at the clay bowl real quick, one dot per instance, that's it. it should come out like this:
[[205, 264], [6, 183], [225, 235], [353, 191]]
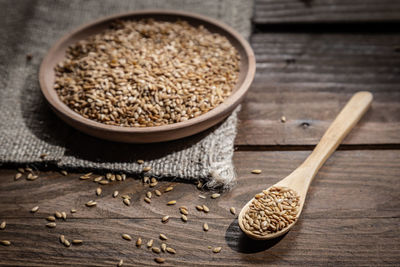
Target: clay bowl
[[157, 133]]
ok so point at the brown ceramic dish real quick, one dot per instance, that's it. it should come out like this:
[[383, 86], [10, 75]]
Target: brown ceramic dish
[[147, 134]]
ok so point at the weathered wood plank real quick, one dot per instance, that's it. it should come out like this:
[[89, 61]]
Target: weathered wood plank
[[306, 11], [322, 242], [309, 77], [366, 182]]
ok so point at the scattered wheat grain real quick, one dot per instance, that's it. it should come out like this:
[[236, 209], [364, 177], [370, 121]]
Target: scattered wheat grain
[[77, 242], [256, 171], [184, 218], [217, 249], [159, 260], [51, 218], [215, 195], [169, 188], [5, 242], [156, 250], [67, 243], [139, 242], [165, 219], [126, 201], [126, 237], [51, 225], [172, 202], [171, 250], [233, 210], [98, 179], [206, 209], [35, 209], [91, 203]]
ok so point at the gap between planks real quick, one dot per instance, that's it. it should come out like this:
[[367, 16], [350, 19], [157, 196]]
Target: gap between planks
[[344, 147]]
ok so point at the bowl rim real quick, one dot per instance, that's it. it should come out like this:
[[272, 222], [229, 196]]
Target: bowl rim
[[222, 108]]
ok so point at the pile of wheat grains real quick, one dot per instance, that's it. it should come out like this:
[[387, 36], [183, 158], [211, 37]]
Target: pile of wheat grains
[[147, 73], [272, 211]]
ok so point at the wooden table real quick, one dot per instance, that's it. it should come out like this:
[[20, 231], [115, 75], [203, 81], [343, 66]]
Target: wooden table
[[306, 71]]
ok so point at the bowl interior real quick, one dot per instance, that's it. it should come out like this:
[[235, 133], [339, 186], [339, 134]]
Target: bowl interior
[[57, 54]]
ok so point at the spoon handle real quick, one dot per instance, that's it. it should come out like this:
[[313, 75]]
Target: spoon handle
[[341, 126]]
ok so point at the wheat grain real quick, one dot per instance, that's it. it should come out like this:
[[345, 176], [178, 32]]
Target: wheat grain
[[91, 203], [217, 249], [35, 209], [171, 250], [5, 242], [165, 219], [159, 260], [215, 195], [126, 237], [139, 242]]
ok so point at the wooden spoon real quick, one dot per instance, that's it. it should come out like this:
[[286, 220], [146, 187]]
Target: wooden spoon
[[300, 179]]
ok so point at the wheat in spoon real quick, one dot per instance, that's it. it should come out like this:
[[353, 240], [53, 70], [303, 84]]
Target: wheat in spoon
[[274, 211]]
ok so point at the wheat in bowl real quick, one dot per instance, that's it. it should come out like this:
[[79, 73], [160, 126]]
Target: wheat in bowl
[[147, 76], [147, 73]]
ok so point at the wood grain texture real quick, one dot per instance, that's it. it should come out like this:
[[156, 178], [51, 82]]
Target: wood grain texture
[[309, 77], [343, 174], [316, 242], [351, 217], [306, 11]]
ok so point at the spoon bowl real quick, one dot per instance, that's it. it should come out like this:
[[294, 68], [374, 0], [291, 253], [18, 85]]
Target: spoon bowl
[[300, 179], [269, 236]]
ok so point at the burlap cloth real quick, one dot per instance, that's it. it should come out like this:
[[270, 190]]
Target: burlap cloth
[[28, 128]]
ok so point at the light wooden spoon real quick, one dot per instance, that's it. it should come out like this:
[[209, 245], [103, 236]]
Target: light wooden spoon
[[300, 179]]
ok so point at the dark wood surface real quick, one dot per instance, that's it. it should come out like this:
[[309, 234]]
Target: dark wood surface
[[351, 217], [308, 78], [352, 214], [308, 11]]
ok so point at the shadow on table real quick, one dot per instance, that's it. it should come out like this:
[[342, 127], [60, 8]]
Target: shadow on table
[[239, 242]]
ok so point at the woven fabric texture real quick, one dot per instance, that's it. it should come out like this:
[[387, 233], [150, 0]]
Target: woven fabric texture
[[28, 128]]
